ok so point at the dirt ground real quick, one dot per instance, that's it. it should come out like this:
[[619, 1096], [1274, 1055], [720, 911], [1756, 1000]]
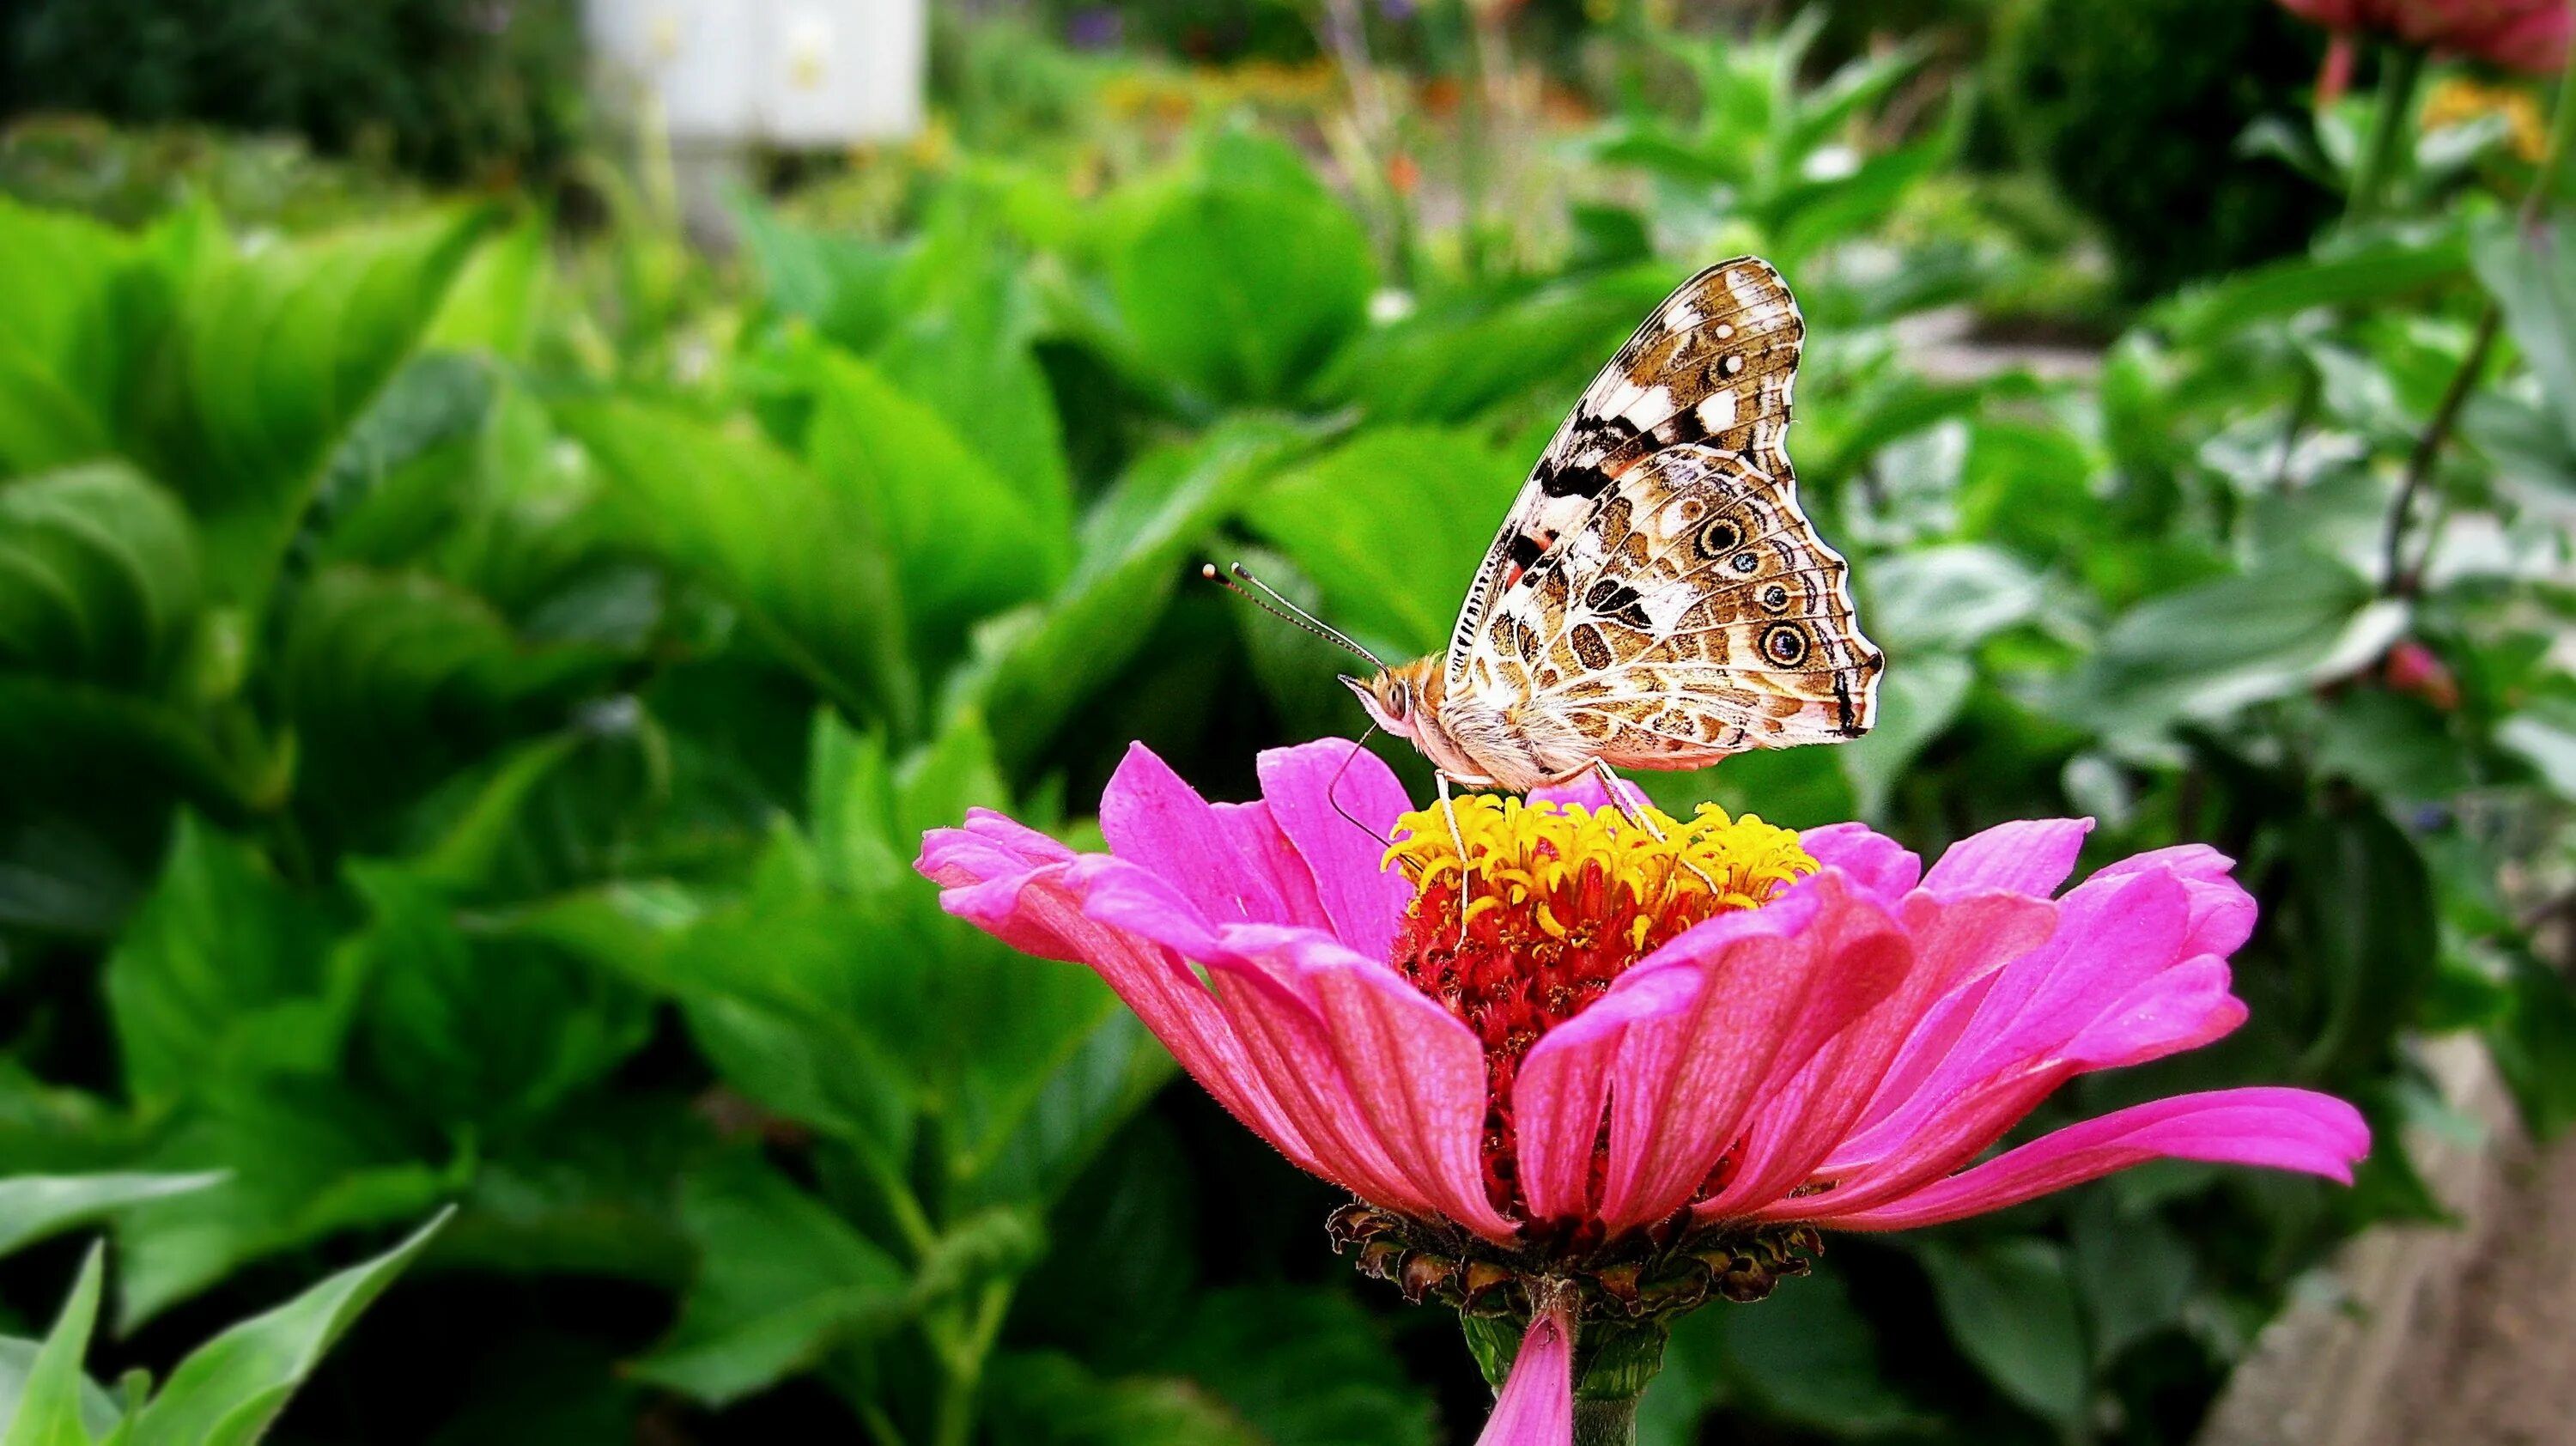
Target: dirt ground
[[2506, 1376]]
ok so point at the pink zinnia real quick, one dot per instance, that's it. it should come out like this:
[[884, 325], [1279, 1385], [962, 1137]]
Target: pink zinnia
[[1641, 1072], [2525, 35]]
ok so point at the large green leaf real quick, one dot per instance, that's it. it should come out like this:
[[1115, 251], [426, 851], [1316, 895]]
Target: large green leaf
[[2531, 273], [1454, 363], [55, 1397], [2366, 270], [1047, 1399], [228, 1391], [1301, 1366], [199, 977], [1340, 518], [391, 677], [34, 1207], [1243, 279], [805, 556], [66, 341], [488, 1031], [967, 542], [306, 1156], [781, 1280], [1809, 1355], [2362, 906], [2292, 620], [2011, 1309], [274, 351], [98, 576], [1034, 666]]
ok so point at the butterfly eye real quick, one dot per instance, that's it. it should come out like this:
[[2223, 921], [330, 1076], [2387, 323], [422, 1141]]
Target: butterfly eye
[[1399, 700]]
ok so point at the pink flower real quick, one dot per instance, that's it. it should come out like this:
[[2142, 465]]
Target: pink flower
[[1648, 1072], [2526, 35]]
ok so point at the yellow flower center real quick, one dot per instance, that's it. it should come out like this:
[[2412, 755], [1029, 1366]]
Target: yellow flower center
[[1558, 900]]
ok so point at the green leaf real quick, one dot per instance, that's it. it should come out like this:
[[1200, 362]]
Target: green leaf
[[2531, 273], [2011, 1309], [967, 543], [65, 346], [98, 576], [2133, 1271], [307, 1156], [276, 350], [781, 1280], [2363, 912], [1301, 1366], [215, 947], [230, 1390], [494, 304], [2535, 1045], [805, 556], [391, 678], [1440, 491], [1034, 666], [489, 1031], [1917, 702], [2369, 271], [1244, 280], [1810, 1356], [2293, 620], [99, 1411], [51, 1403], [35, 1207], [1949, 597], [1454, 362], [1047, 1399]]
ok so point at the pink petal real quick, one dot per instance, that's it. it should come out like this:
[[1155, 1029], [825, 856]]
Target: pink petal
[[1585, 788], [1536, 1407], [1777, 987], [2284, 1129], [1802, 1121], [1230, 860], [1878, 864], [1309, 789], [1419, 1077], [2032, 856]]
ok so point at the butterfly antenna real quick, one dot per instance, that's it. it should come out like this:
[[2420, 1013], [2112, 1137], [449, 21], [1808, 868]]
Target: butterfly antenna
[[1286, 611], [1336, 782]]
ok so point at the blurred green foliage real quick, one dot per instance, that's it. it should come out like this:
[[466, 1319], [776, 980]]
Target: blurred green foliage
[[474, 693], [455, 89]]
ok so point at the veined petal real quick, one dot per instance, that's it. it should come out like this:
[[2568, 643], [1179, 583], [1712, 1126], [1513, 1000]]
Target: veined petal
[[1315, 792], [2284, 1129], [1778, 988], [2030, 856], [1536, 1407], [1230, 860], [1804, 1121]]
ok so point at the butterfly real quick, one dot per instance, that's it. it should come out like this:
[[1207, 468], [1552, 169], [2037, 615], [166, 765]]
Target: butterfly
[[1656, 598]]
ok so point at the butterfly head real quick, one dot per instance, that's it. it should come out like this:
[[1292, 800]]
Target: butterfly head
[[1397, 698]]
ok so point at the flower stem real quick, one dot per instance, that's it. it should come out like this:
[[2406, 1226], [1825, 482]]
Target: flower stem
[[1605, 1422], [2400, 67]]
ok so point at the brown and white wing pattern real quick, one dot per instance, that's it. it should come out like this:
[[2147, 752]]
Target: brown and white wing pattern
[[1657, 598]]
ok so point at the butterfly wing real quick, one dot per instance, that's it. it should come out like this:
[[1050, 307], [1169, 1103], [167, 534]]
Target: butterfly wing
[[1656, 592]]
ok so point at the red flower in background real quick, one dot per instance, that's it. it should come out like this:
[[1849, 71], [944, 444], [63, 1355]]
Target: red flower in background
[[2526, 35]]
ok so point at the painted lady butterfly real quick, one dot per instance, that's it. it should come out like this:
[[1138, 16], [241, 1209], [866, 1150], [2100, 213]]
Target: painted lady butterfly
[[1655, 598]]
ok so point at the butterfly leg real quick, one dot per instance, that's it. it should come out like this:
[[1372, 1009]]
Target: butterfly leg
[[1612, 784], [1458, 840]]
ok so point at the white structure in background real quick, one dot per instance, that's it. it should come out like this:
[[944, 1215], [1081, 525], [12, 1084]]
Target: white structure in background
[[718, 77]]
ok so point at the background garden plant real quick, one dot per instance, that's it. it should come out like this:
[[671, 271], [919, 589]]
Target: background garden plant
[[476, 673]]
